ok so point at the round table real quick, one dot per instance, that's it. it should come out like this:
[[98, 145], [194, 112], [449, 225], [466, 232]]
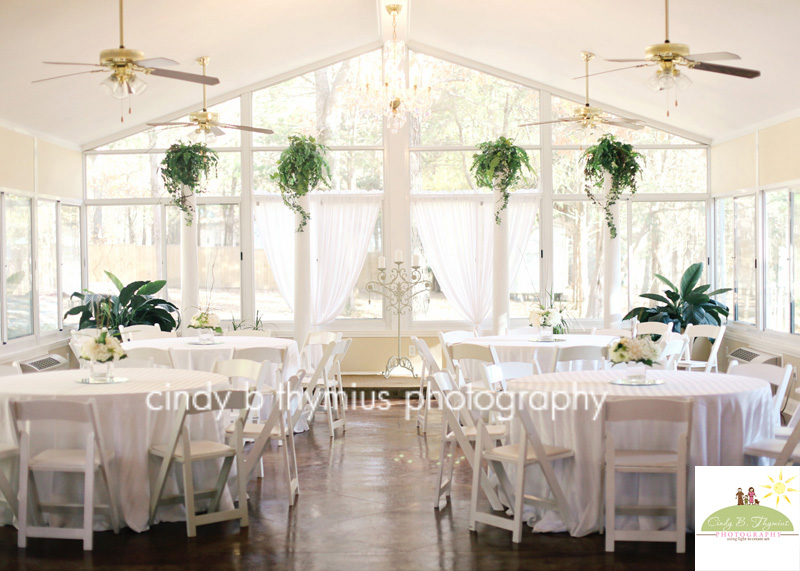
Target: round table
[[527, 348], [729, 413], [133, 415]]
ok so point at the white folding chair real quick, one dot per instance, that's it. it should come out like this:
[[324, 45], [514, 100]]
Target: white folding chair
[[785, 432], [613, 332], [326, 389], [449, 338], [778, 377], [458, 429], [589, 354], [528, 451], [247, 333], [468, 360], [499, 374], [694, 332], [314, 346], [652, 328], [141, 332], [624, 461], [180, 448], [275, 427], [671, 352], [429, 367], [152, 357], [273, 358], [94, 458], [784, 451], [8, 370]]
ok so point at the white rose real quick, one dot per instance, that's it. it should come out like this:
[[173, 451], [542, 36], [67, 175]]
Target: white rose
[[213, 320]]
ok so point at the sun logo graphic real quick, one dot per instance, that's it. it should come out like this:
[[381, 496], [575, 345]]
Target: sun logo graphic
[[780, 489]]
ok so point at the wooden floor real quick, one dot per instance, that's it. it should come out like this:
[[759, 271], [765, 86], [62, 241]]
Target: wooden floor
[[366, 502]]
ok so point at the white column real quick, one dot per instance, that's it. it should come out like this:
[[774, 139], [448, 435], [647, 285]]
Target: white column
[[500, 304], [302, 276], [190, 273], [612, 277]]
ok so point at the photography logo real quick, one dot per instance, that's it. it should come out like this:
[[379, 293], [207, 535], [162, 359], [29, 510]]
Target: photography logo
[[747, 517]]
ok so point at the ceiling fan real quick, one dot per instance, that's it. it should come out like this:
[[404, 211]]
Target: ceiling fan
[[668, 56], [586, 118], [125, 63], [205, 124]]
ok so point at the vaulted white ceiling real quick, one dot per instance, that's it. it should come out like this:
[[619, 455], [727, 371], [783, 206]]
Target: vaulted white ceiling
[[250, 41]]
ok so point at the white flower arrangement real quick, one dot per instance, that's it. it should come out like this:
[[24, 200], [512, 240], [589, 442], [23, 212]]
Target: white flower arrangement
[[549, 316], [638, 350], [102, 348], [206, 320]]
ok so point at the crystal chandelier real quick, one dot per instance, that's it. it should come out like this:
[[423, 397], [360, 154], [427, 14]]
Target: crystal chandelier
[[395, 99]]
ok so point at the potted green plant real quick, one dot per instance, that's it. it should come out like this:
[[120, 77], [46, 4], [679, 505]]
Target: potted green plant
[[190, 165], [134, 305], [683, 305], [302, 167], [621, 163], [500, 164]]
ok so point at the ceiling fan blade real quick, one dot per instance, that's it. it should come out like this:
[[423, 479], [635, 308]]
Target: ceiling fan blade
[[156, 62], [217, 131], [626, 124], [71, 63], [712, 56], [613, 70], [170, 124], [183, 76], [245, 128], [727, 70], [627, 60], [68, 75], [562, 120]]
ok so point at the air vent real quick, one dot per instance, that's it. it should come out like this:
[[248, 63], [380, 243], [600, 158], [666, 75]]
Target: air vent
[[49, 362], [750, 355]]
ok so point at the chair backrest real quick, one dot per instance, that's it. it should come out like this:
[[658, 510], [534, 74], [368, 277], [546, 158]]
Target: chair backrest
[[653, 328], [678, 411], [590, 353], [778, 377], [153, 356], [613, 332], [247, 333], [239, 368], [429, 364], [314, 346], [462, 353], [275, 355], [8, 370], [340, 351], [499, 374], [715, 332], [454, 410], [671, 352], [447, 339], [139, 332], [324, 363], [216, 400]]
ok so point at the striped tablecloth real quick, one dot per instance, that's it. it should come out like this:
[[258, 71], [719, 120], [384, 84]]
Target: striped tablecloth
[[133, 415], [729, 413]]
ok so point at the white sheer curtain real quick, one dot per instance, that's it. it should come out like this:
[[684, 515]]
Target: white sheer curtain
[[275, 224], [456, 235], [341, 227]]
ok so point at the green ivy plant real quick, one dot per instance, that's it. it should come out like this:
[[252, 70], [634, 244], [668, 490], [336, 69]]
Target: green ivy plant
[[683, 305], [302, 167], [500, 164], [621, 162], [187, 164]]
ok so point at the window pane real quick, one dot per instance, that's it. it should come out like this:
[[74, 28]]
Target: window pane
[[350, 170], [70, 258], [228, 181], [325, 103], [525, 285], [567, 172], [578, 258], [674, 170], [432, 305], [361, 305], [470, 107], [219, 257], [448, 171], [666, 238], [724, 251], [47, 261], [19, 278], [744, 215], [778, 261], [122, 240], [123, 176]]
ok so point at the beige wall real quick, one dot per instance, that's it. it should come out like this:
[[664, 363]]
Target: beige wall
[[369, 354], [778, 149], [60, 171], [733, 165], [18, 154]]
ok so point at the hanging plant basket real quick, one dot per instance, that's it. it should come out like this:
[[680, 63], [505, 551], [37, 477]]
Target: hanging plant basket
[[500, 165], [302, 167], [189, 165], [621, 163]]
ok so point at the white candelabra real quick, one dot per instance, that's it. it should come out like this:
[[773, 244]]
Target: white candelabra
[[399, 289]]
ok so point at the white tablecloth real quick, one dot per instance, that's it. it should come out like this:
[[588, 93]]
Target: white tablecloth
[[526, 348], [130, 425], [730, 412]]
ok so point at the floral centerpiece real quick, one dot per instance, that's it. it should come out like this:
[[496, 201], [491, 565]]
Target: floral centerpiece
[[636, 353], [102, 351], [208, 324], [549, 318]]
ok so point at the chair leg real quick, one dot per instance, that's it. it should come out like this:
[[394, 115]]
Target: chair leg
[[188, 495], [22, 514], [158, 489], [328, 409], [222, 481], [261, 467], [291, 468], [115, 519], [88, 508], [241, 477], [476, 484], [680, 519], [519, 498], [8, 493], [610, 511], [443, 461]]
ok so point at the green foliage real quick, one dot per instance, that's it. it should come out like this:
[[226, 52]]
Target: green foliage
[[134, 305], [187, 164], [257, 324], [302, 167], [500, 164], [619, 160], [685, 304]]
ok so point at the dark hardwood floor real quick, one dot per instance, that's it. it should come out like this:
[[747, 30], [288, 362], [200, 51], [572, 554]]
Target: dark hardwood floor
[[366, 501]]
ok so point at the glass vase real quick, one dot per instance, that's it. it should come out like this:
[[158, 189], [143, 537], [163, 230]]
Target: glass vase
[[102, 372], [545, 333], [636, 372], [206, 336]]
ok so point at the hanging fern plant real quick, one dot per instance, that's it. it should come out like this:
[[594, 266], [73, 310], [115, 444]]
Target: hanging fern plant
[[500, 165], [621, 162], [302, 167], [190, 165]]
